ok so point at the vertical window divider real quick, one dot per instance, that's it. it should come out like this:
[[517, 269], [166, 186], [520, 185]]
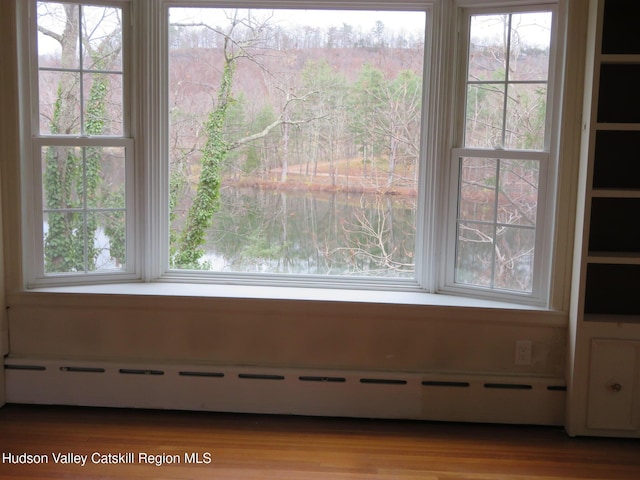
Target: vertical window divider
[[152, 124], [85, 210], [496, 205], [505, 104]]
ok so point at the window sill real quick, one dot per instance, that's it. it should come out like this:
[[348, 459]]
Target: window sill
[[176, 289], [172, 295]]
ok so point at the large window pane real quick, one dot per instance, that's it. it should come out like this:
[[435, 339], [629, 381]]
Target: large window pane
[[109, 241], [64, 242], [484, 119], [62, 177], [496, 223], [78, 242], [530, 40], [294, 140], [478, 181], [80, 69], [508, 55], [59, 106], [488, 49], [474, 254], [102, 38], [526, 116], [518, 199], [514, 259], [83, 209], [103, 107], [58, 35]]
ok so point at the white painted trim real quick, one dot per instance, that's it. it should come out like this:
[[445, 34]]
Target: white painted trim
[[172, 289], [408, 5]]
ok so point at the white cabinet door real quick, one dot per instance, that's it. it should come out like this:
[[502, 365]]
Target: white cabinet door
[[613, 385]]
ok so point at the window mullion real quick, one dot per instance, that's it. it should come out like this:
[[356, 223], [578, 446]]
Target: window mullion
[[81, 68], [495, 225], [151, 20], [506, 84]]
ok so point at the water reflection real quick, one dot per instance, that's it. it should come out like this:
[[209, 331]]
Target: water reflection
[[312, 233]]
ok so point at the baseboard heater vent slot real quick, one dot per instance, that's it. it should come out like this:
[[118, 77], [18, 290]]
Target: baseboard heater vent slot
[[83, 369], [257, 376], [383, 381], [135, 371], [446, 384], [557, 388], [25, 367], [322, 379], [508, 386], [201, 374]]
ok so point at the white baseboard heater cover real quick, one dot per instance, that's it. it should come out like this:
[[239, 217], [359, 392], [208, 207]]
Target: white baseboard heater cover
[[465, 398]]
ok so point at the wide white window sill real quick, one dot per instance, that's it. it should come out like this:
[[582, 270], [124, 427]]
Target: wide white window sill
[[284, 293], [170, 295]]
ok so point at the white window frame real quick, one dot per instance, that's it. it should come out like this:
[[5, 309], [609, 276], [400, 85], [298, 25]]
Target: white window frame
[[147, 176], [162, 273], [34, 141], [547, 158]]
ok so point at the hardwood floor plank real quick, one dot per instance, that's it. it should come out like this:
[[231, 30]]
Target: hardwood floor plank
[[259, 447]]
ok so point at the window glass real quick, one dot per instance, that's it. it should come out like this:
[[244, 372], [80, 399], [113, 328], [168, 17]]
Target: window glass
[[505, 110], [496, 223], [294, 140], [507, 78], [80, 93], [80, 69]]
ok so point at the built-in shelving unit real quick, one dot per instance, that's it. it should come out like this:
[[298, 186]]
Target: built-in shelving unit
[[612, 267], [605, 388]]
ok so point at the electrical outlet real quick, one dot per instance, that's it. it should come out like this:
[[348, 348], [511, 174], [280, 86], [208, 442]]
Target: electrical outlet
[[523, 352]]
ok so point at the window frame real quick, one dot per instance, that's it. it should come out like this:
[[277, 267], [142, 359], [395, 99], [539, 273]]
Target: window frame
[[547, 158], [421, 282], [33, 141], [445, 58]]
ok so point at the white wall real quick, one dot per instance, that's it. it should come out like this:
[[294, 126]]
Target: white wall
[[285, 333]]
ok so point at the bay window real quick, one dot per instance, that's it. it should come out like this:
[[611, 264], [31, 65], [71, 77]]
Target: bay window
[[291, 143]]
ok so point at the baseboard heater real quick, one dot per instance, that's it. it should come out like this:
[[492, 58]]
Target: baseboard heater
[[424, 396]]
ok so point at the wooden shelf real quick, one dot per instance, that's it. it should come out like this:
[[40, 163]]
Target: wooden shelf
[[614, 258], [608, 318], [615, 193], [606, 126], [620, 58]]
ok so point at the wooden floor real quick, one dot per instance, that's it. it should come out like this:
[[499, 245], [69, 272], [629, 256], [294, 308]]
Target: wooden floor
[[248, 447]]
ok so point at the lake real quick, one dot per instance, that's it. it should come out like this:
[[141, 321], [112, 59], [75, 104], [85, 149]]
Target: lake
[[315, 233]]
